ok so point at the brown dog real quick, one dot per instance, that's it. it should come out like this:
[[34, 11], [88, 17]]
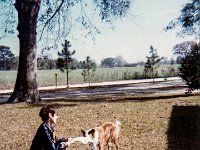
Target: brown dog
[[100, 136]]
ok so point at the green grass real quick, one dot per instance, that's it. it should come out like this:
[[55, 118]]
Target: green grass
[[47, 77]]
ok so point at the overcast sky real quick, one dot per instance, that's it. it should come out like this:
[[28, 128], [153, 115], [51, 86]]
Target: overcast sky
[[132, 36]]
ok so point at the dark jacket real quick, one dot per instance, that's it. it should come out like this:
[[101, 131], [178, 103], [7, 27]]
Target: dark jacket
[[44, 140]]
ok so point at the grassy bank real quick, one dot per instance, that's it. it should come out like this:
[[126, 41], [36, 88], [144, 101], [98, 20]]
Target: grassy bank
[[47, 77]]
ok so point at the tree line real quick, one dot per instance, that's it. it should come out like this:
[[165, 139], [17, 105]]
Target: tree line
[[8, 61]]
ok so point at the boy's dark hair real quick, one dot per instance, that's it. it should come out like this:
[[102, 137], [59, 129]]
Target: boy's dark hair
[[44, 112]]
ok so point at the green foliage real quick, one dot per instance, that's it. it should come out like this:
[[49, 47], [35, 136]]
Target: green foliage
[[189, 70], [152, 62], [184, 48], [178, 59], [65, 61], [46, 63], [89, 69], [8, 60], [113, 62], [108, 62]]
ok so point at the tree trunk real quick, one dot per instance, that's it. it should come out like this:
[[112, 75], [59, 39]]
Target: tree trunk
[[26, 86], [153, 74], [4, 62], [67, 72]]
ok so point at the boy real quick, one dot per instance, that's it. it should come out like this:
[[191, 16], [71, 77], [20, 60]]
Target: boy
[[44, 139]]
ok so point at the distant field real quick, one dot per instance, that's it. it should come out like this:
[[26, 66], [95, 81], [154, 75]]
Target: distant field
[[47, 77]]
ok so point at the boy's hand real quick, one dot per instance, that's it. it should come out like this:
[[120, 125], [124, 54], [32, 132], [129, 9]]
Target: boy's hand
[[66, 143], [69, 141]]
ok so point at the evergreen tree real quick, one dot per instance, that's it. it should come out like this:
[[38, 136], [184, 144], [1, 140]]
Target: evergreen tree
[[189, 21], [89, 69], [65, 60], [189, 69], [152, 62], [7, 58]]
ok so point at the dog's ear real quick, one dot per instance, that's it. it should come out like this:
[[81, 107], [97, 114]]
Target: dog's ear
[[83, 132], [92, 131]]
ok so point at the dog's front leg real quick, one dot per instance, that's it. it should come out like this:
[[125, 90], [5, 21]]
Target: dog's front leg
[[94, 146]]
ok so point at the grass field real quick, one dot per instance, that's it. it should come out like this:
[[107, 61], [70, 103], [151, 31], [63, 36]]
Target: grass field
[[47, 77], [149, 122]]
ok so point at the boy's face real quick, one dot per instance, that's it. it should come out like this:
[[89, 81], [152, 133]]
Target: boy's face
[[53, 118]]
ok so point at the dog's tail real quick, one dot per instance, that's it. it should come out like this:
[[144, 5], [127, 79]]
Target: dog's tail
[[118, 125]]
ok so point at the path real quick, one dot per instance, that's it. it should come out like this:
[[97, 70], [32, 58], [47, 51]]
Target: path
[[145, 86]]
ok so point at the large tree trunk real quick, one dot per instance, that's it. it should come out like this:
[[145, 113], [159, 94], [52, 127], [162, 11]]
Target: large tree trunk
[[26, 86]]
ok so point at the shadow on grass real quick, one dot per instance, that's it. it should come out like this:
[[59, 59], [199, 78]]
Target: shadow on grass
[[112, 98], [44, 103], [184, 128], [116, 98]]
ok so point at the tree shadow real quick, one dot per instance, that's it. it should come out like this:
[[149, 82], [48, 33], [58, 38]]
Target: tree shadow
[[113, 98], [109, 98], [184, 128], [136, 89], [44, 103]]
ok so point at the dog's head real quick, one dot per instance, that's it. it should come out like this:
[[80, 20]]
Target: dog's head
[[91, 134]]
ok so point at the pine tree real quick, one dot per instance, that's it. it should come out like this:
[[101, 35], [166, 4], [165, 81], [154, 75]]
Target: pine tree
[[89, 69], [6, 58], [189, 69], [65, 60], [152, 62]]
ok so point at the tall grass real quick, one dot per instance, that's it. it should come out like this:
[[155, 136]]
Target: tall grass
[[7, 79], [47, 77]]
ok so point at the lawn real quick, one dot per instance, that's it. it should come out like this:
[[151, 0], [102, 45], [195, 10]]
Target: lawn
[[149, 122], [47, 77]]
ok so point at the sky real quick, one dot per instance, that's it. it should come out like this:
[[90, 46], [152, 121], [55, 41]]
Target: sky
[[132, 35]]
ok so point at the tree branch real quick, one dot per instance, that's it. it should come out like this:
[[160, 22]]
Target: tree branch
[[46, 23]]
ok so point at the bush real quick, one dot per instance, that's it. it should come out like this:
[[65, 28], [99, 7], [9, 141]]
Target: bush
[[189, 70]]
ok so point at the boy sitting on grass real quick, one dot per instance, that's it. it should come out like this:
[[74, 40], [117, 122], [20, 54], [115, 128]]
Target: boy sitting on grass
[[44, 139]]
